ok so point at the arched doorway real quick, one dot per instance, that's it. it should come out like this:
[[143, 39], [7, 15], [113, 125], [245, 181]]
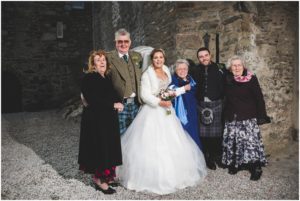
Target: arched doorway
[[11, 93]]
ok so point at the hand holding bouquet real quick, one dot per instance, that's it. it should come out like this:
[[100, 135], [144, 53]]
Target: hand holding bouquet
[[167, 95]]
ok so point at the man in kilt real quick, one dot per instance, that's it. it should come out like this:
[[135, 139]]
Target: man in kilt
[[126, 71], [210, 79]]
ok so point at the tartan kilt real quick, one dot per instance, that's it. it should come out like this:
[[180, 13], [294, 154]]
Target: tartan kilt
[[127, 116], [215, 129]]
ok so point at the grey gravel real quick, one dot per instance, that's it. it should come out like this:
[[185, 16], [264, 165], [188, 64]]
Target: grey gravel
[[39, 161]]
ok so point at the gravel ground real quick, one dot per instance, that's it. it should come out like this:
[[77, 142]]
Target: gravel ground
[[39, 161]]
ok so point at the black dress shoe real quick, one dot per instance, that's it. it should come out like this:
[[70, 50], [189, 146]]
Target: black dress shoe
[[256, 174], [220, 164], [211, 165], [107, 191], [232, 170]]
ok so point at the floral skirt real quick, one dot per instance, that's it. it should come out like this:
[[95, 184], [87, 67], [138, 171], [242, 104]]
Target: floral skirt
[[242, 143]]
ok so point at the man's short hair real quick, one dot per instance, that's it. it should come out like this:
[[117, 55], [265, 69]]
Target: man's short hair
[[122, 32], [202, 49]]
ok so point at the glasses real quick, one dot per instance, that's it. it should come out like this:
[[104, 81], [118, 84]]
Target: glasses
[[182, 69], [122, 41]]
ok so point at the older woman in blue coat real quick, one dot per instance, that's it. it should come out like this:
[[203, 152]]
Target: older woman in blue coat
[[185, 104]]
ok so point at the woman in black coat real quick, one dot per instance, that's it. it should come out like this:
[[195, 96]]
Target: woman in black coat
[[244, 110], [99, 146]]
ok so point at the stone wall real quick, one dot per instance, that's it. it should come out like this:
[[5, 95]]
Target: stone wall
[[265, 33], [48, 67], [277, 67]]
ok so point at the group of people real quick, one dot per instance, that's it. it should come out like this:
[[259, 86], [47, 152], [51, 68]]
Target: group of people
[[158, 144]]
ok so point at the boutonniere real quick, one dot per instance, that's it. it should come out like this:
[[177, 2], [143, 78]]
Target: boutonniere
[[137, 62]]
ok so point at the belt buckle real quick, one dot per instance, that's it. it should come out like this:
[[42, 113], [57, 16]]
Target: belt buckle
[[206, 99], [129, 100]]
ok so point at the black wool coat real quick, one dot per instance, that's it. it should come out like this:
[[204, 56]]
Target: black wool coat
[[99, 145], [244, 100]]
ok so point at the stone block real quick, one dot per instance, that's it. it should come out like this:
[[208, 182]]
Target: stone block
[[190, 54], [231, 19], [247, 7], [62, 44], [187, 25], [185, 5], [245, 26], [226, 12], [209, 25], [48, 36], [188, 40]]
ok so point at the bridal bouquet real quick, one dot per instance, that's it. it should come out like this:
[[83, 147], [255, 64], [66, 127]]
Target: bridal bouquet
[[167, 95]]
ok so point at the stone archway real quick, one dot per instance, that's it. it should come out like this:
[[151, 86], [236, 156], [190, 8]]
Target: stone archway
[[11, 93]]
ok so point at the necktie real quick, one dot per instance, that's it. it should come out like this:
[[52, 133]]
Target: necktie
[[125, 58]]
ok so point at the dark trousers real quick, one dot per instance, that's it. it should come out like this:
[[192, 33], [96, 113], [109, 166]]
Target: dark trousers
[[212, 149]]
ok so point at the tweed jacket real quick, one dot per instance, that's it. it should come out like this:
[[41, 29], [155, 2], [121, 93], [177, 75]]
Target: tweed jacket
[[150, 86], [119, 74]]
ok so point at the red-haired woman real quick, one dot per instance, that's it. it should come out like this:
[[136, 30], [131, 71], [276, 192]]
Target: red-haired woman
[[99, 146]]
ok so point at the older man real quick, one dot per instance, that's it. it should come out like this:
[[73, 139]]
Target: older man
[[210, 92], [126, 70]]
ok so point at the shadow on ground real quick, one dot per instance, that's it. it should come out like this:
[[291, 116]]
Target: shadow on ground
[[54, 140]]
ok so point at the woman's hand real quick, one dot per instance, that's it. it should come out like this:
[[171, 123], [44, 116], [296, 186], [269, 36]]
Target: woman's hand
[[187, 87], [119, 107], [172, 93], [165, 103]]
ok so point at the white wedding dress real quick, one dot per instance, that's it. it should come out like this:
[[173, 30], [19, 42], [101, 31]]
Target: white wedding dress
[[158, 155]]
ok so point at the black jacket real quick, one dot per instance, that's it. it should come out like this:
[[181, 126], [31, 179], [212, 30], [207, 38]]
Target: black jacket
[[210, 84], [244, 100]]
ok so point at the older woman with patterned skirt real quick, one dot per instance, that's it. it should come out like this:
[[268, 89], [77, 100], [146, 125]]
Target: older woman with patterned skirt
[[244, 111]]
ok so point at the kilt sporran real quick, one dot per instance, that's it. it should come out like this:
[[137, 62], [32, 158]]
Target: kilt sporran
[[210, 118]]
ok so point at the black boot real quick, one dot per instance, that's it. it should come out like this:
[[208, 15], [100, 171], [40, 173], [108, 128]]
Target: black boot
[[210, 163], [207, 146], [219, 162], [256, 171], [232, 169]]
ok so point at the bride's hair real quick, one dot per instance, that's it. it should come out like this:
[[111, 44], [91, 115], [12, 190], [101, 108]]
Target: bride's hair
[[157, 50]]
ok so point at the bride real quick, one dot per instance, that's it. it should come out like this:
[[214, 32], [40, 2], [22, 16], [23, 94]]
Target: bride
[[158, 155]]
